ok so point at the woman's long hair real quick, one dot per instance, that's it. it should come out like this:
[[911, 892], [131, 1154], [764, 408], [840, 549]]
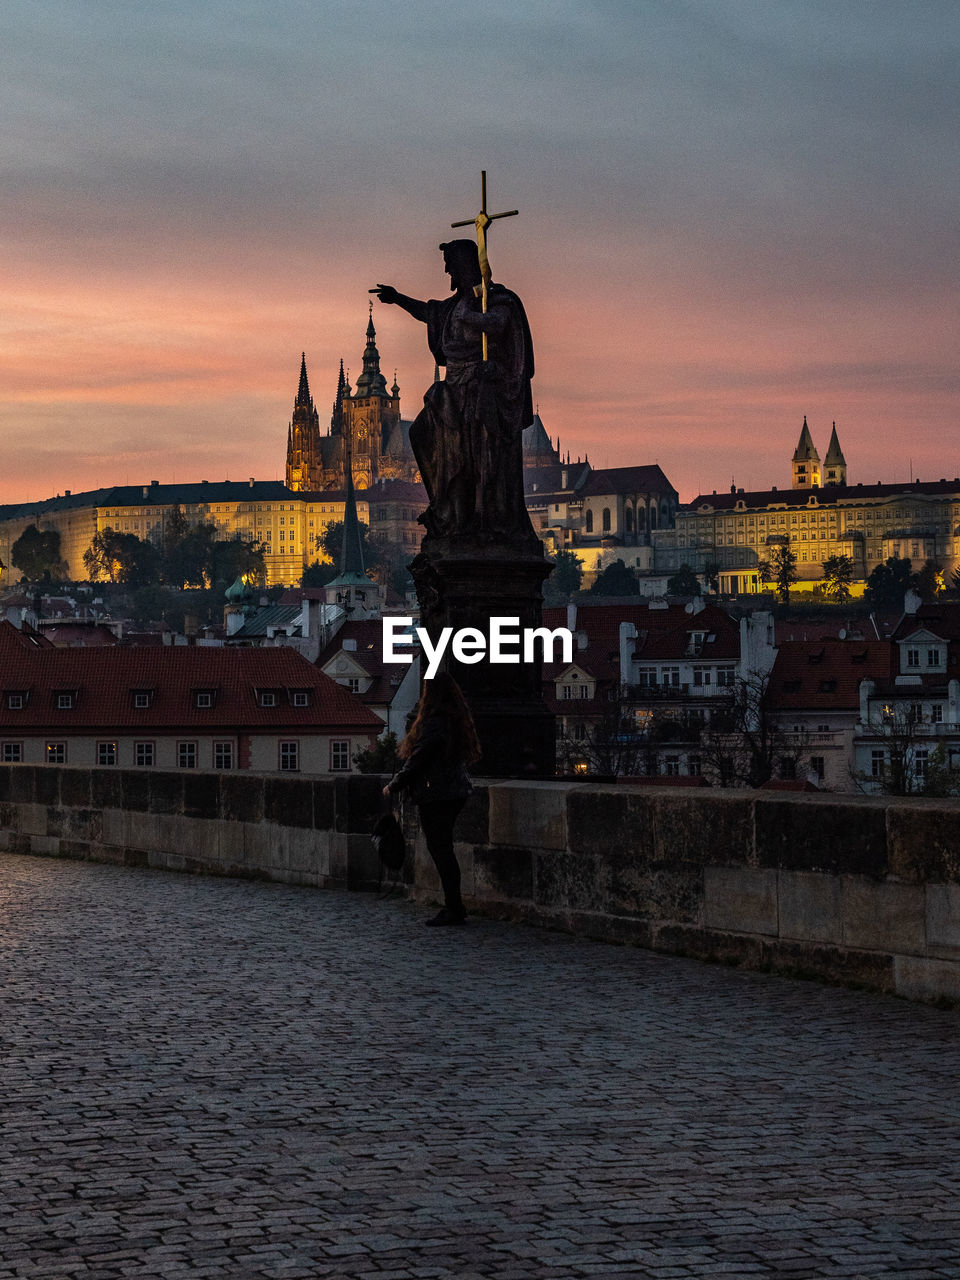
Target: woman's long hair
[[442, 699]]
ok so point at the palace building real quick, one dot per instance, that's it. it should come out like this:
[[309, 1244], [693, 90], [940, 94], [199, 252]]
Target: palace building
[[822, 515]]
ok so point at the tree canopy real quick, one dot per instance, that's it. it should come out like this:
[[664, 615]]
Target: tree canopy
[[566, 579], [616, 580], [36, 553]]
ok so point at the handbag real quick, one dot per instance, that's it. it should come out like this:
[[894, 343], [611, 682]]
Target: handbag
[[389, 842]]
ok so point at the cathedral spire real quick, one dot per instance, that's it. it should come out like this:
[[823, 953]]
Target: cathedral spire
[[336, 420], [304, 399], [371, 381]]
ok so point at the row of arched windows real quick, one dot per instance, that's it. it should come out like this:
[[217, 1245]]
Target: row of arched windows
[[606, 518]]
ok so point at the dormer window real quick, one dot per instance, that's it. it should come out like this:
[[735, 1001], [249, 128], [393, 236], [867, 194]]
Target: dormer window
[[268, 698], [142, 699], [204, 699], [16, 701], [65, 701], [299, 698]]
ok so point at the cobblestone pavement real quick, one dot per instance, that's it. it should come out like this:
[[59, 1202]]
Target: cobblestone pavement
[[225, 1079]]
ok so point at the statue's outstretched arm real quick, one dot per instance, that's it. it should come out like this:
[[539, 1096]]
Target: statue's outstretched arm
[[416, 308]]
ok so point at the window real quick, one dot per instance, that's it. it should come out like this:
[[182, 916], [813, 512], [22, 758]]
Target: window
[[64, 701], [670, 676], [186, 755], [268, 698], [290, 756], [877, 763], [584, 691], [106, 754], [920, 763], [204, 700], [916, 713], [725, 675], [300, 698], [788, 767], [936, 713], [818, 765], [56, 753], [695, 766], [671, 766], [223, 755], [933, 657], [11, 753], [353, 684], [15, 701], [340, 755], [701, 677], [913, 657], [141, 699], [143, 755], [606, 519], [823, 728], [589, 527]]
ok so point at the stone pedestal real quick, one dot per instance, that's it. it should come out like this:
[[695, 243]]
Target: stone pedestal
[[465, 587]]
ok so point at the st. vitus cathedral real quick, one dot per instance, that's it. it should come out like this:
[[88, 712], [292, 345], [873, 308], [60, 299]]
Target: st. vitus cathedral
[[365, 426]]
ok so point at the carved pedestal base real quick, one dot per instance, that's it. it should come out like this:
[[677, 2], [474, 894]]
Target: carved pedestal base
[[466, 589]]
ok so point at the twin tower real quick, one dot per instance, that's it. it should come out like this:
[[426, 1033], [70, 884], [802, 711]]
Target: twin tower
[[807, 471]]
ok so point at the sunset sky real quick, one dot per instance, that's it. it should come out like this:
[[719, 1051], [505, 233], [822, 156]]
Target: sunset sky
[[732, 213]]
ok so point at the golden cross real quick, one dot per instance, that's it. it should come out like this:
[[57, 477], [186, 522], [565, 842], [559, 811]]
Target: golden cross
[[481, 222]]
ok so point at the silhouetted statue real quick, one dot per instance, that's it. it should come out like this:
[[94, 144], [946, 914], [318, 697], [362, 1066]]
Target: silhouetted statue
[[467, 439]]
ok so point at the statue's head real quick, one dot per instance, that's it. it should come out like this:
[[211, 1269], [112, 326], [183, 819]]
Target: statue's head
[[461, 261]]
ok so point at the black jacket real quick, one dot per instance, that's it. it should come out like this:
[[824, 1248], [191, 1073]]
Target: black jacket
[[433, 773]]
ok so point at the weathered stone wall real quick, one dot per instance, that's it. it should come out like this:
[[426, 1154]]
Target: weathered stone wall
[[857, 890]]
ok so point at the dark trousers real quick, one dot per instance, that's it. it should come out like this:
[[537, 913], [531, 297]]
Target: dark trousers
[[437, 818]]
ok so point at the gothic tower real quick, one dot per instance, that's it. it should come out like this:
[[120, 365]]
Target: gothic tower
[[834, 464], [806, 461], [303, 438], [370, 414]]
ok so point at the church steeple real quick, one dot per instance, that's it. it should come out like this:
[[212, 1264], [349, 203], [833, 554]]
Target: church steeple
[[371, 381], [806, 461], [834, 464], [351, 550]]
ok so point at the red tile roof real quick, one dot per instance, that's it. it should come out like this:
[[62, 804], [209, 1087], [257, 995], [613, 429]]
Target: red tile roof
[[105, 679], [825, 674]]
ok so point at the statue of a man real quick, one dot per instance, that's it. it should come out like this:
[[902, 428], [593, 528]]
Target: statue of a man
[[467, 438]]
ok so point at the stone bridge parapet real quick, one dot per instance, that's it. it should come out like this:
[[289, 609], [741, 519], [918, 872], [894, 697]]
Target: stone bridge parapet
[[857, 890]]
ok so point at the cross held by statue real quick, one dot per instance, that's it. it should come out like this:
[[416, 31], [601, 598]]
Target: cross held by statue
[[481, 222]]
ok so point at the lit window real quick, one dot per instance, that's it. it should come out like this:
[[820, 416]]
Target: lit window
[[290, 756], [339, 755], [186, 755], [143, 755], [106, 754], [56, 753]]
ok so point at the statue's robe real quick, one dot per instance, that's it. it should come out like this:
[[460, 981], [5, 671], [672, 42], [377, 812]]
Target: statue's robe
[[467, 438]]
